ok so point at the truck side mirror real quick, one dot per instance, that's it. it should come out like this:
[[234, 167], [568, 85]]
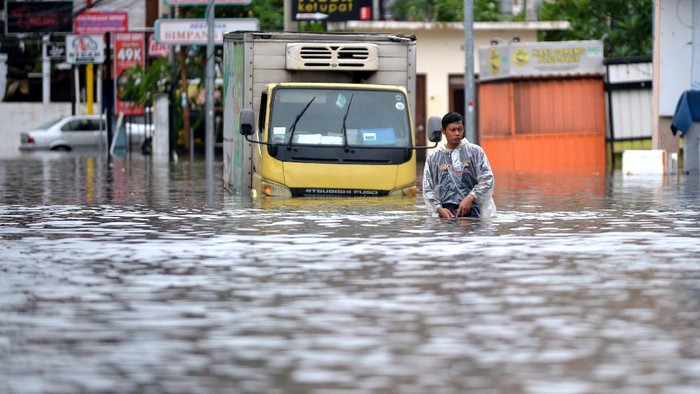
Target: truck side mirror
[[247, 121], [434, 127]]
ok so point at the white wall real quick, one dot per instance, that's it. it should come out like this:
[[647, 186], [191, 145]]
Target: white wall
[[18, 117], [676, 58], [441, 54], [440, 49], [3, 74]]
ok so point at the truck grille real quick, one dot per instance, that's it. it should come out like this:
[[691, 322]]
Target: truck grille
[[332, 57]]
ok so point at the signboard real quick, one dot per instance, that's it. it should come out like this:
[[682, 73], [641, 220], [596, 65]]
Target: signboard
[[39, 17], [155, 49], [100, 22], [206, 2], [56, 50], [195, 31], [561, 58], [85, 49], [332, 10], [129, 50]]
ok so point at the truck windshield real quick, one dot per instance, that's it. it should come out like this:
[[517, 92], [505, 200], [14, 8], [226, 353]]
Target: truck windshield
[[339, 117]]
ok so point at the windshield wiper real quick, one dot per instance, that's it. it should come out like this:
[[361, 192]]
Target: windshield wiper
[[345, 117], [293, 127]]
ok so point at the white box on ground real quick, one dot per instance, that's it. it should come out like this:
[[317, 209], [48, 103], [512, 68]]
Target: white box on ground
[[161, 136], [655, 161], [691, 149]]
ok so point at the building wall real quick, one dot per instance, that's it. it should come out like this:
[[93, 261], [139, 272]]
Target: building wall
[[440, 48], [545, 125], [18, 117], [21, 116], [629, 93], [441, 54], [135, 8]]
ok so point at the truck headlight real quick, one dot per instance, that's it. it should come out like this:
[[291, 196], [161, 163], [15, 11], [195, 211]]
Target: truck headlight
[[273, 189], [407, 191]]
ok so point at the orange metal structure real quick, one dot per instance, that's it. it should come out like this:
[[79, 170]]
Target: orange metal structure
[[543, 125]]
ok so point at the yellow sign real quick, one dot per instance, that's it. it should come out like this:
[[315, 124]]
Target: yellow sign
[[521, 57], [494, 61], [560, 55], [530, 59]]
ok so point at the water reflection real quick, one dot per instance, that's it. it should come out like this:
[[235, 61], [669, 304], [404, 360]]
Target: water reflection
[[141, 277]]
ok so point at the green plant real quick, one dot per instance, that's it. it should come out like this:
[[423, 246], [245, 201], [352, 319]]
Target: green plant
[[139, 85], [625, 25]]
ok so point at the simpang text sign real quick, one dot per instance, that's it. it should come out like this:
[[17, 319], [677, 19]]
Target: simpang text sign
[[196, 31]]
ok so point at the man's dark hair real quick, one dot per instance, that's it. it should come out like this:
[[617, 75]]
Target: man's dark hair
[[451, 117]]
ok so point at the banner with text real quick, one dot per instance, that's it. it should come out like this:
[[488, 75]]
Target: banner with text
[[331, 10], [155, 49], [195, 31], [537, 59], [98, 21], [129, 50], [85, 49], [39, 17]]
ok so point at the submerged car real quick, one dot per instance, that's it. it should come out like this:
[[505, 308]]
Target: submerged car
[[74, 132]]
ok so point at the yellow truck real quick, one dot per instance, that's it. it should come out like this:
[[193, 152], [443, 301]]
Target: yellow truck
[[319, 114]]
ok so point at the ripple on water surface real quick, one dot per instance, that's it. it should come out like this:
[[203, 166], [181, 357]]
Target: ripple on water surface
[[589, 285]]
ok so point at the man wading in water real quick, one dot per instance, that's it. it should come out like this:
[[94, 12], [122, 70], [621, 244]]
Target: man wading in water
[[457, 179]]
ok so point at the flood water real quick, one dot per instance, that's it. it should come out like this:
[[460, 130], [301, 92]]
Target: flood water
[[133, 276]]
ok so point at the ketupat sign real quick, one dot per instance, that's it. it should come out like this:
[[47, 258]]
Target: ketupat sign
[[331, 10]]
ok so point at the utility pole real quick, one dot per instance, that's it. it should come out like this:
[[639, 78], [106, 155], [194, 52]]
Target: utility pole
[[289, 24], [89, 80], [45, 70], [469, 124], [109, 92], [210, 85]]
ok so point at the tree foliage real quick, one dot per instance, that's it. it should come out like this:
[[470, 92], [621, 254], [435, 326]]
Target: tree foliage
[[139, 85], [445, 11], [625, 25], [268, 12]]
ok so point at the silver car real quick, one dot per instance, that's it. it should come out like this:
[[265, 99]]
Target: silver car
[[75, 132]]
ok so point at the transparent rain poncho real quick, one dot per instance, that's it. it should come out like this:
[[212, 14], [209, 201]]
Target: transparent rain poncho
[[450, 175]]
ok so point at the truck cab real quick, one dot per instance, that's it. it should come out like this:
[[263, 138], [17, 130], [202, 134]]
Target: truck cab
[[334, 139], [319, 114]]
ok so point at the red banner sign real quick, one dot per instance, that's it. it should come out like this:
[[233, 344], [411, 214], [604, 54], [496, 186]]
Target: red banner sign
[[99, 22], [129, 50], [155, 49]]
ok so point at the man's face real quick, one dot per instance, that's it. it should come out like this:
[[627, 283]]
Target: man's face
[[454, 132]]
